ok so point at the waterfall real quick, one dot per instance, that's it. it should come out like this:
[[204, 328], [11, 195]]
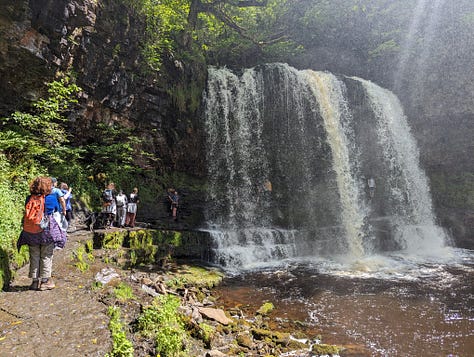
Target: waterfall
[[328, 92], [235, 155], [410, 205], [289, 153]]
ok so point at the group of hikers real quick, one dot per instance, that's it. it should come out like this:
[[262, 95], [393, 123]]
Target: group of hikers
[[48, 215], [120, 209]]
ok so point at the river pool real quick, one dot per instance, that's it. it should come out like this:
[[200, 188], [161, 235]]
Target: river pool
[[379, 306]]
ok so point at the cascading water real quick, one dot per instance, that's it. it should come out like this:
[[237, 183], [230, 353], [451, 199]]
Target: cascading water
[[328, 92], [410, 206], [289, 154]]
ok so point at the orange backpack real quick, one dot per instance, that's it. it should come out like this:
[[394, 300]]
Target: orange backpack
[[34, 213]]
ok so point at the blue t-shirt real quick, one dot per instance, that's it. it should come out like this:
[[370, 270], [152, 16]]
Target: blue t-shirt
[[52, 204], [57, 192]]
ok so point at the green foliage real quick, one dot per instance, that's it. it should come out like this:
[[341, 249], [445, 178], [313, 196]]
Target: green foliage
[[97, 285], [122, 347], [12, 197], [5, 273], [114, 148], [162, 321], [29, 138], [206, 333], [82, 258], [30, 144], [89, 246], [188, 28], [123, 292], [178, 282], [110, 158], [163, 20], [253, 33]]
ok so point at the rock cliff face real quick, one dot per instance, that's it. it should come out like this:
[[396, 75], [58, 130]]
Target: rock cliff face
[[100, 42]]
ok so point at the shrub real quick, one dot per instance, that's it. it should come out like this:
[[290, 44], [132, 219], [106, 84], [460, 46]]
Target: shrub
[[162, 321], [122, 347]]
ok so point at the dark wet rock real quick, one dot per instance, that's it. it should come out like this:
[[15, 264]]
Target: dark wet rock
[[244, 339]]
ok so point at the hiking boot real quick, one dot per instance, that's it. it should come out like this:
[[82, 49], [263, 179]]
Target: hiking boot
[[34, 285], [48, 285]]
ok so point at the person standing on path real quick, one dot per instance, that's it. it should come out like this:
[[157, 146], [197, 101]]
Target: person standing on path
[[67, 191], [42, 242], [173, 198], [132, 207], [109, 206], [121, 201], [59, 194]]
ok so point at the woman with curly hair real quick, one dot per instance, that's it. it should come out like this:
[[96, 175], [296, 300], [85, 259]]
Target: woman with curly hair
[[41, 244]]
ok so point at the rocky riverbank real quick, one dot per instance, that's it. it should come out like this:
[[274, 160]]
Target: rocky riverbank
[[112, 301]]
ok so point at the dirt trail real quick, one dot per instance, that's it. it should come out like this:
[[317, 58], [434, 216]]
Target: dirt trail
[[65, 321]]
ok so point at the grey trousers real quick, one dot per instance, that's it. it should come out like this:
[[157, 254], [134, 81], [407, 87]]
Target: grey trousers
[[41, 260], [121, 214]]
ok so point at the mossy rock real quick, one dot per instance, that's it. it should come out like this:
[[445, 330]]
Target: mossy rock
[[194, 245], [144, 237], [265, 309], [279, 338], [206, 333], [144, 256], [112, 239], [200, 277], [296, 345], [325, 350], [149, 246], [244, 340]]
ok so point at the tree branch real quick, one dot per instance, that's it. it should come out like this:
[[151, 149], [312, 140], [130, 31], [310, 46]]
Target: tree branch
[[214, 8]]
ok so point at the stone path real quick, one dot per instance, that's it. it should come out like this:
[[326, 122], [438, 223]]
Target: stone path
[[65, 321]]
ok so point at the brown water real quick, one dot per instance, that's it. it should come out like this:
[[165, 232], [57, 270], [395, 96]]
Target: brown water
[[415, 316]]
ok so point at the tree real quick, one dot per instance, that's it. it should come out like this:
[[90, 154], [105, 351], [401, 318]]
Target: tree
[[212, 26]]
